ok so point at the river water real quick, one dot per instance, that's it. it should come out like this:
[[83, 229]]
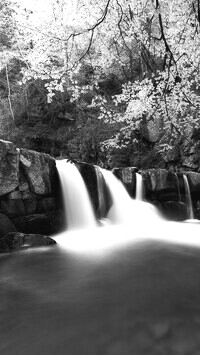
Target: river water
[[139, 298]]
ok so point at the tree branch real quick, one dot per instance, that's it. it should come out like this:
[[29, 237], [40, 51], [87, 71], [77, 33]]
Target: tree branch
[[9, 100]]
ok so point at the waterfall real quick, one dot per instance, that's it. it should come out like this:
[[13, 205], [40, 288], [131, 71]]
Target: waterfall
[[125, 210], [188, 198], [121, 201], [78, 208], [139, 187]]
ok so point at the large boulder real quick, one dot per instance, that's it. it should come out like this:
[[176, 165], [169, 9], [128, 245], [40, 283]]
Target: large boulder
[[16, 241], [9, 163], [39, 170]]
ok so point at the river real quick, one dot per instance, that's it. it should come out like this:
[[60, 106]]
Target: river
[[138, 299]]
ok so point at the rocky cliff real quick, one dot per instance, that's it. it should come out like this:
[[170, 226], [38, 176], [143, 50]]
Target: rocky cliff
[[28, 195]]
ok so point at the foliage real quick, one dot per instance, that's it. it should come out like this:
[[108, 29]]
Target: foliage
[[135, 62]]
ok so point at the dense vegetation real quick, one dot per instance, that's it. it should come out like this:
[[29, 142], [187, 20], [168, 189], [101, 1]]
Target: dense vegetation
[[111, 82]]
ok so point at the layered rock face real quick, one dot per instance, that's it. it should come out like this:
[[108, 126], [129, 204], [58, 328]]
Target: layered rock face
[[165, 189], [28, 197]]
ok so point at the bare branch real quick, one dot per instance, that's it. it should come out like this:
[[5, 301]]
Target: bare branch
[[9, 100]]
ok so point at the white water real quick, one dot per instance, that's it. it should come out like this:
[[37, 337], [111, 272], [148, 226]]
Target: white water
[[188, 198], [78, 209], [128, 221], [139, 187]]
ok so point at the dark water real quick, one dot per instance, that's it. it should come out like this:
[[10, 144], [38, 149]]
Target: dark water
[[140, 300]]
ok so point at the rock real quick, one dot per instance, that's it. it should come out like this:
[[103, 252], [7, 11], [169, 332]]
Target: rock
[[14, 241], [159, 179], [128, 177], [30, 204], [35, 223], [14, 195], [104, 197], [194, 181], [188, 162], [12, 208], [37, 240], [58, 221], [174, 210], [6, 225], [173, 154], [9, 171], [88, 174], [39, 170], [46, 204], [23, 183]]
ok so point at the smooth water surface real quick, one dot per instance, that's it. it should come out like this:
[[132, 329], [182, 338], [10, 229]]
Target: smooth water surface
[[139, 297]]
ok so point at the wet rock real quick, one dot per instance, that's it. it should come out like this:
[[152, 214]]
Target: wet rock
[[6, 225], [159, 183], [39, 170], [9, 171], [35, 223], [194, 180], [30, 204], [104, 197], [12, 208], [174, 210], [88, 174], [46, 204], [14, 241], [128, 177], [162, 179], [58, 221]]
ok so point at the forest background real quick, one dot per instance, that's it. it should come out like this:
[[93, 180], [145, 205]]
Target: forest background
[[114, 83]]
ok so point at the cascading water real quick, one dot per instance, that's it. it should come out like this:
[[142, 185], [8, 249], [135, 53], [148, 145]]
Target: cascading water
[[121, 202], [139, 187], [127, 221], [125, 210], [188, 198], [78, 208]]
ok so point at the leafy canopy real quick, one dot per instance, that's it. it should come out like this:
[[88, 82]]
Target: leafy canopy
[[153, 46]]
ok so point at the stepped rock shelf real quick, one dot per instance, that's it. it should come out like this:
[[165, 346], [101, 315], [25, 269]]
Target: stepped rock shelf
[[31, 207]]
